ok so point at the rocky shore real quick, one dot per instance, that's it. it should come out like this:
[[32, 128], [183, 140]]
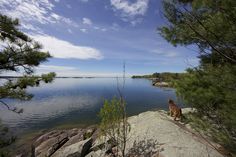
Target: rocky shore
[[161, 84], [152, 133]]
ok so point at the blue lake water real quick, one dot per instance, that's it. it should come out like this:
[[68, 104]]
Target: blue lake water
[[78, 101]]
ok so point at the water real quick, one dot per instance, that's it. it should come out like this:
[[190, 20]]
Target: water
[[69, 101]]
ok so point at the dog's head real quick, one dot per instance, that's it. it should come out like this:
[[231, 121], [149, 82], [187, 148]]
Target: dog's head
[[170, 101]]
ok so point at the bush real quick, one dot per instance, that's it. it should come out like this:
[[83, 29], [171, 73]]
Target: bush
[[114, 123], [211, 90]]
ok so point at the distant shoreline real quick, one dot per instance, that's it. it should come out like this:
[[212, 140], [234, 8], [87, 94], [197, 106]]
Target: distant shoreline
[[2, 77]]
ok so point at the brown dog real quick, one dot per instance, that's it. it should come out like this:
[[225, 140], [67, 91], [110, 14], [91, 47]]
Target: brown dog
[[175, 111]]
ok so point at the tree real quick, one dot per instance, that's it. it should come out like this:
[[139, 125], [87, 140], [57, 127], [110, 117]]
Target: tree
[[111, 123], [156, 75], [18, 53], [209, 87], [209, 24], [114, 124]]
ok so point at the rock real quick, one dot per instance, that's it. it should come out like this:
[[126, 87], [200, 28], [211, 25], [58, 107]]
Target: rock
[[47, 136], [74, 132], [74, 139], [98, 153], [79, 149], [188, 110], [152, 133], [102, 144], [49, 146], [60, 140], [56, 146], [173, 138], [161, 84], [88, 133]]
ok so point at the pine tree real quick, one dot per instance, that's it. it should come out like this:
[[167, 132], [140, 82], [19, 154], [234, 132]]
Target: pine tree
[[210, 87], [18, 53]]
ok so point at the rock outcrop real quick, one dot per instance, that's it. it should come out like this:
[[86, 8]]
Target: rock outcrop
[[79, 149], [152, 133], [64, 143], [166, 137]]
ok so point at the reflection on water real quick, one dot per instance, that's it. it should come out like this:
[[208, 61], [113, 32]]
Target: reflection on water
[[77, 101]]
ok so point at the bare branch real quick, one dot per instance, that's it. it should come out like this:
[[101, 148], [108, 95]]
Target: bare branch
[[12, 109]]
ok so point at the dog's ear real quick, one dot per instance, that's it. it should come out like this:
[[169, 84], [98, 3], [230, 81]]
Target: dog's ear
[[170, 101]]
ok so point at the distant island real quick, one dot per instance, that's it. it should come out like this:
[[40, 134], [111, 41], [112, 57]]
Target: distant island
[[165, 79]]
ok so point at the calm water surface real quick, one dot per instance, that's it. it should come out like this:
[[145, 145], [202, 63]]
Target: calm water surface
[[77, 101]]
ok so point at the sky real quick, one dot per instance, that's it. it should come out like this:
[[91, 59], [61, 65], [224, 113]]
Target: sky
[[95, 37]]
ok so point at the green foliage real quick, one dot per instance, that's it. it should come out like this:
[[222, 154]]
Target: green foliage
[[211, 90], [165, 76], [142, 76], [210, 87], [9, 30], [16, 89], [111, 116], [19, 53], [209, 24], [114, 123]]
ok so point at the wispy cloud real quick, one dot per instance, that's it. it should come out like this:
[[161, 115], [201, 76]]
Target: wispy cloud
[[87, 21], [55, 68], [84, 1], [63, 49], [71, 71], [130, 11], [115, 26], [69, 30], [28, 11], [83, 30], [68, 6], [164, 53]]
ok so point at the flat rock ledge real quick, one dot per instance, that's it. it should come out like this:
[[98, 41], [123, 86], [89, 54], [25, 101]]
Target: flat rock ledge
[[153, 134]]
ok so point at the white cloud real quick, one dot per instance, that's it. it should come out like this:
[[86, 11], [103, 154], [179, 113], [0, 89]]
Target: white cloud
[[68, 6], [87, 21], [164, 53], [55, 68], [28, 11], [115, 26], [55, 16], [67, 71], [83, 30], [129, 11], [104, 29], [63, 49], [59, 70], [96, 27], [70, 31], [84, 1], [136, 21], [70, 71], [32, 28]]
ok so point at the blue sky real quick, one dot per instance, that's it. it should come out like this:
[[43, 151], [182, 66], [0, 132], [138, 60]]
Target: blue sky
[[95, 37]]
